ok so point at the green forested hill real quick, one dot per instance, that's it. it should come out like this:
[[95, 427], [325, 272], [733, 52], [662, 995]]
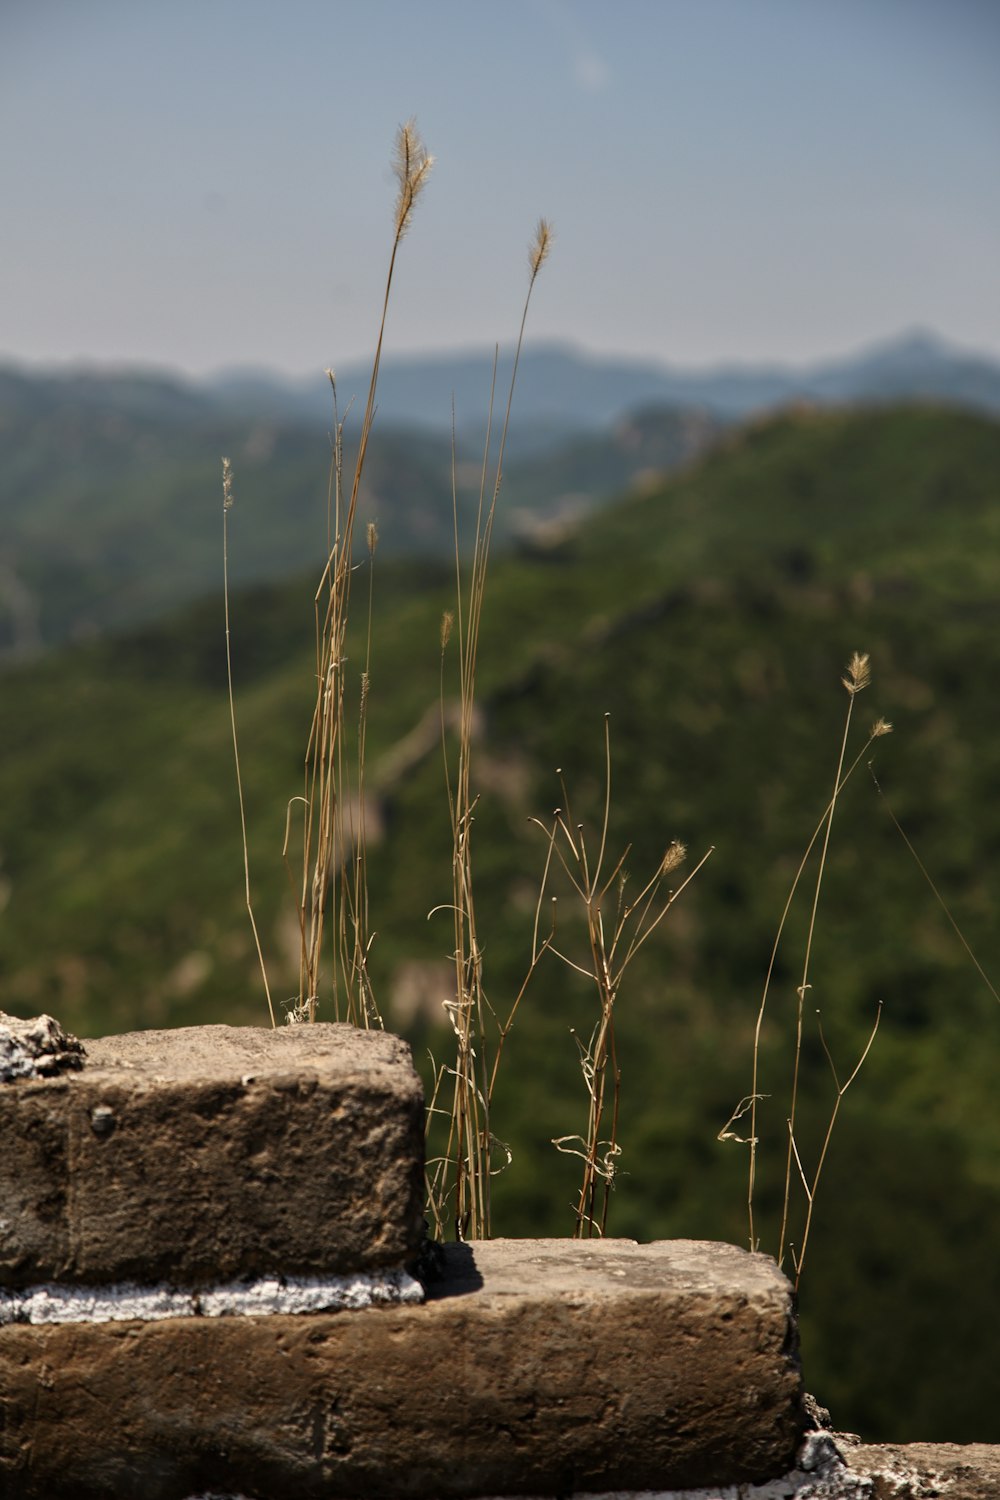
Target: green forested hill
[[712, 618], [110, 494]]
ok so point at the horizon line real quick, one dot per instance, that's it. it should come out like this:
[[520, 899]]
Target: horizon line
[[83, 364]]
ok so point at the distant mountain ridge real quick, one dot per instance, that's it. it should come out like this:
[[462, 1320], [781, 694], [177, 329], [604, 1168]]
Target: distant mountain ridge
[[109, 494], [561, 387], [109, 479]]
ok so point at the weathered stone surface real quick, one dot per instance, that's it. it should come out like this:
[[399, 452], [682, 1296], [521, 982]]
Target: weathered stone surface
[[535, 1367], [922, 1471], [213, 1153]]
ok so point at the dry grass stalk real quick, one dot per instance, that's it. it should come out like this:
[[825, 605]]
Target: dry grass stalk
[[856, 679], [934, 890], [459, 1180], [612, 944], [329, 830], [810, 1187], [332, 832], [227, 505]]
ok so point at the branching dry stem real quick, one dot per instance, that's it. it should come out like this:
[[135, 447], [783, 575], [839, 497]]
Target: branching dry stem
[[630, 927]]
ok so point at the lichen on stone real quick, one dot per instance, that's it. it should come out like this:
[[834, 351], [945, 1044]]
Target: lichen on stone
[[37, 1047]]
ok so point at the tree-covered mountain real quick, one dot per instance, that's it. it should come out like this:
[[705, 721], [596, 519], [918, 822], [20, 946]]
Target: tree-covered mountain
[[109, 481], [110, 494], [711, 616]]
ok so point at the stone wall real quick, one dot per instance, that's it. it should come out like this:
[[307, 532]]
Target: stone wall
[[213, 1280]]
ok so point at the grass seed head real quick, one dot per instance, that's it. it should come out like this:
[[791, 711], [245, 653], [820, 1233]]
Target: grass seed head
[[674, 856], [858, 673], [538, 251], [412, 164]]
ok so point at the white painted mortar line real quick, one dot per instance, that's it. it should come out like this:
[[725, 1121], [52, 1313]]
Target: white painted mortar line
[[54, 1303]]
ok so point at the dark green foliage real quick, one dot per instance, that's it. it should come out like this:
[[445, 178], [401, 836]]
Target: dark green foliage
[[713, 619]]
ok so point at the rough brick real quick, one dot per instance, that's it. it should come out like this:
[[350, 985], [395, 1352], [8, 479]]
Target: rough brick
[[916, 1471], [536, 1367], [212, 1153]]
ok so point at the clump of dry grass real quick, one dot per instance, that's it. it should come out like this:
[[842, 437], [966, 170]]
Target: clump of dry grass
[[332, 833], [614, 937], [331, 821], [330, 818]]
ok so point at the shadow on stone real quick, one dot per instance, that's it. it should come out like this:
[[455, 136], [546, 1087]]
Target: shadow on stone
[[450, 1271]]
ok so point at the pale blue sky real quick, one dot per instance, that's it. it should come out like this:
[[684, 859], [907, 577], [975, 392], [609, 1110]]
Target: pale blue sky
[[202, 183]]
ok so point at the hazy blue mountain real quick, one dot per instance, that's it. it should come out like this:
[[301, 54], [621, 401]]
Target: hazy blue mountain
[[919, 366], [109, 479], [89, 392], [561, 388]]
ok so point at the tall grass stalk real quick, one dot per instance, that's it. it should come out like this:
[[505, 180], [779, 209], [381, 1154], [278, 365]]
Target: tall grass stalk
[[461, 1177], [936, 893], [810, 1187], [332, 831], [227, 505], [856, 679]]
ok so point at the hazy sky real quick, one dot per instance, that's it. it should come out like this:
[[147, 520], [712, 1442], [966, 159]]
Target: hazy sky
[[204, 183]]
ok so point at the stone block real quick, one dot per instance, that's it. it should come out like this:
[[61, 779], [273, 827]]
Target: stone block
[[535, 1367], [213, 1153], [917, 1471]]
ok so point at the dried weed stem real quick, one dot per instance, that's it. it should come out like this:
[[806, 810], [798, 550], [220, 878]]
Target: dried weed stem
[[462, 1175], [333, 834], [611, 947], [227, 505], [857, 678]]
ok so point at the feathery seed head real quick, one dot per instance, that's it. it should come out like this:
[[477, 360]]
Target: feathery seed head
[[858, 673], [674, 856], [227, 484], [538, 251], [412, 164], [880, 727], [447, 621], [371, 533]]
